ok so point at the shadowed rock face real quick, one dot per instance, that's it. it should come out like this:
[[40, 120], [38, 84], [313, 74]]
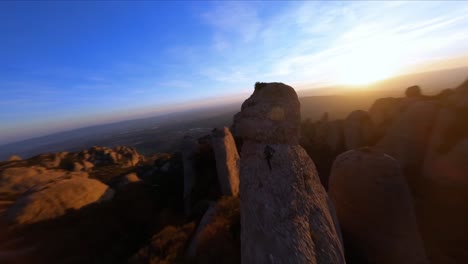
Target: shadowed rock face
[[270, 115], [358, 130], [375, 209], [227, 161], [408, 136], [413, 91], [189, 148], [286, 216]]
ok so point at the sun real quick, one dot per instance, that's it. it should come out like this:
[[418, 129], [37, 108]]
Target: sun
[[368, 61]]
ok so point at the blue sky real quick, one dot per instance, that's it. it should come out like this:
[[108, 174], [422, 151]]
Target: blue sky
[[69, 64]]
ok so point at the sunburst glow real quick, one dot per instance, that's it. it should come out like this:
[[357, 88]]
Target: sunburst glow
[[369, 60]]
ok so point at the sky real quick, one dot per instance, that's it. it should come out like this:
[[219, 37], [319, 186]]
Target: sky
[[69, 64]]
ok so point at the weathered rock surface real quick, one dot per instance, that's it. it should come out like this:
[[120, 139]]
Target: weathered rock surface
[[227, 161], [270, 115], [53, 199], [286, 216], [201, 229], [383, 111], [413, 91], [459, 98], [443, 207], [358, 130], [189, 148], [408, 136], [16, 180], [323, 140], [14, 158], [130, 178], [375, 209]]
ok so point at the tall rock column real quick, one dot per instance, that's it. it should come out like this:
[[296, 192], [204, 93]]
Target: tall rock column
[[227, 161], [189, 148], [375, 209], [286, 216]]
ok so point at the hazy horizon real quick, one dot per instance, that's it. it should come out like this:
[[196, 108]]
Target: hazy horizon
[[74, 64]]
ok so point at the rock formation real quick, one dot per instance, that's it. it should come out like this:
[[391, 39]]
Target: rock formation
[[286, 216], [382, 112], [14, 158], [407, 137], [270, 115], [323, 140], [358, 130], [201, 229], [413, 91], [375, 209], [443, 207], [227, 161], [14, 181], [53, 199], [189, 149]]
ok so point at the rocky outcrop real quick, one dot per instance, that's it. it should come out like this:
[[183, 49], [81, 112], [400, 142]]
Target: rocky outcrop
[[323, 140], [189, 149], [207, 218], [443, 207], [53, 199], [286, 216], [129, 178], [413, 91], [407, 137], [459, 98], [227, 161], [14, 158], [14, 181], [270, 115], [375, 209], [358, 130], [382, 112]]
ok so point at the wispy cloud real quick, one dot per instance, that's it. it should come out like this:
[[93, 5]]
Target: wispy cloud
[[319, 41]]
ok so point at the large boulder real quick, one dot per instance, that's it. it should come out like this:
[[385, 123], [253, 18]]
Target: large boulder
[[382, 112], [286, 216], [358, 130], [459, 98], [14, 158], [413, 91], [323, 140], [53, 199], [16, 180], [270, 115], [375, 209], [443, 208], [227, 161], [408, 136]]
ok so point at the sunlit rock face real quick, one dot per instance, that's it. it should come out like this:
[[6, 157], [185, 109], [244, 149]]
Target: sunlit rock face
[[14, 181], [375, 209], [227, 161], [53, 199], [286, 216]]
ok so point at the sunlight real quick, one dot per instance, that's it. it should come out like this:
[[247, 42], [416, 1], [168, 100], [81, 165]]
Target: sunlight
[[369, 60]]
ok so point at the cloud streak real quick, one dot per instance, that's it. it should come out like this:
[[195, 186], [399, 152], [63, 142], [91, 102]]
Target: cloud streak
[[312, 41]]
